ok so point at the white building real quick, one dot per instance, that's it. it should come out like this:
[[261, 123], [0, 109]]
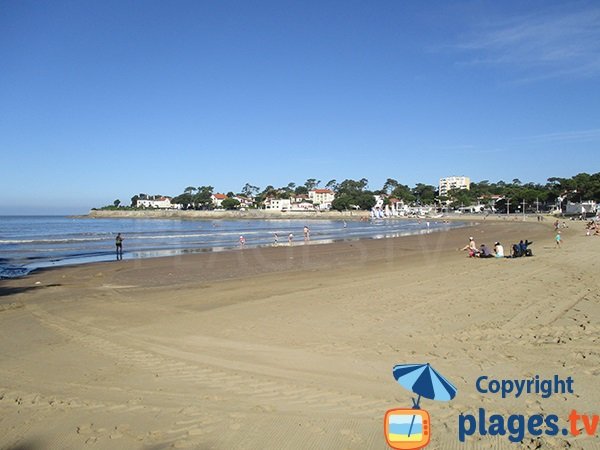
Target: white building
[[321, 198], [245, 202], [217, 199], [278, 204], [155, 201], [453, 183], [584, 208]]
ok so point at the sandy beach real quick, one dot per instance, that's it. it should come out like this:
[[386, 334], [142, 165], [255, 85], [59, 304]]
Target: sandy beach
[[293, 347]]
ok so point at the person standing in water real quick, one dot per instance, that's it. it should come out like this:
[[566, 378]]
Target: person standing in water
[[119, 245]]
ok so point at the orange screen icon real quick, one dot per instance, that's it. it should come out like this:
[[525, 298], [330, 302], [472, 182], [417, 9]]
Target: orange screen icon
[[407, 429]]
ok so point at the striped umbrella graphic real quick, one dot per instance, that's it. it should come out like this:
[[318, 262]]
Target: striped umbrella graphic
[[424, 381]]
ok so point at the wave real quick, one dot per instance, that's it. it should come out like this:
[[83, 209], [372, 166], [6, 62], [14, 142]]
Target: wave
[[49, 241]]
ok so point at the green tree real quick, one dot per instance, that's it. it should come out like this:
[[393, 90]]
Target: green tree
[[203, 197], [460, 197], [389, 185], [134, 200], [190, 190], [185, 200], [424, 194], [332, 184], [404, 193], [311, 183], [352, 193], [342, 202], [301, 190], [117, 202], [249, 190], [230, 203]]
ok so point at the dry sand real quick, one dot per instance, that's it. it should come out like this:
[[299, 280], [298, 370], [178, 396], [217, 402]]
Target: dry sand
[[293, 347]]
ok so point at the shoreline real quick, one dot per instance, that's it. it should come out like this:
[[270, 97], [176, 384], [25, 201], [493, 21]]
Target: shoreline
[[24, 267], [300, 256]]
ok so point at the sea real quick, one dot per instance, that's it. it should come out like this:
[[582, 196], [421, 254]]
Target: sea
[[28, 243]]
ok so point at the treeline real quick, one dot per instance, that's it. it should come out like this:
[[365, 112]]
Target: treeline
[[555, 191], [356, 193]]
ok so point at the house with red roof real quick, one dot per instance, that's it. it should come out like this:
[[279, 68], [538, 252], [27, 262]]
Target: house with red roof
[[217, 199]]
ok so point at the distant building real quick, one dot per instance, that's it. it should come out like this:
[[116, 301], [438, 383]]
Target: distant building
[[449, 183], [398, 207], [321, 198], [299, 198], [245, 202], [155, 201], [217, 199], [279, 204], [588, 207]]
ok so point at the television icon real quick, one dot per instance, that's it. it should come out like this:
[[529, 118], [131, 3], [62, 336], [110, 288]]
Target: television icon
[[407, 429]]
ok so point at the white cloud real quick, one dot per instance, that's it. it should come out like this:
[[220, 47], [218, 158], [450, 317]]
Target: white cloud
[[566, 136], [555, 43]]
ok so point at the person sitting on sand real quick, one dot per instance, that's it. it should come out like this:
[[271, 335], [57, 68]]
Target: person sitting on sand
[[523, 248], [484, 252], [499, 250], [471, 247]]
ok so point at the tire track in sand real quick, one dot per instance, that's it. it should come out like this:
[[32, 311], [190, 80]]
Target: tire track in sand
[[284, 395]]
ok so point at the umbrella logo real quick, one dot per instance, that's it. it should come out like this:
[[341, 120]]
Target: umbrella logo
[[410, 428]]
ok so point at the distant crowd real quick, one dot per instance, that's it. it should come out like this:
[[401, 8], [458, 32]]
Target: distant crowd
[[483, 251], [592, 228]]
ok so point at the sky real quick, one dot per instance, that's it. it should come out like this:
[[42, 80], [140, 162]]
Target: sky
[[102, 100]]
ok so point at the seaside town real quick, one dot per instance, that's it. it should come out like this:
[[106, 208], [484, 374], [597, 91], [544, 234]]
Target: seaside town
[[576, 196]]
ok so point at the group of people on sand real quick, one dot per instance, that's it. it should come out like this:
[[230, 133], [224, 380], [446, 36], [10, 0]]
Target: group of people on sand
[[592, 228], [483, 251]]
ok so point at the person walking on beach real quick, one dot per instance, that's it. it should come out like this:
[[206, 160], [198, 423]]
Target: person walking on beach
[[290, 238], [306, 233], [119, 245], [558, 239]]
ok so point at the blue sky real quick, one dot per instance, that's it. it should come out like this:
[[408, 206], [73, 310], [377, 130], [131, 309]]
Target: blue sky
[[101, 100]]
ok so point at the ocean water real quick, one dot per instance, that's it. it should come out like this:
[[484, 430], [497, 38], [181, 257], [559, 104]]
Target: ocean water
[[32, 242]]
